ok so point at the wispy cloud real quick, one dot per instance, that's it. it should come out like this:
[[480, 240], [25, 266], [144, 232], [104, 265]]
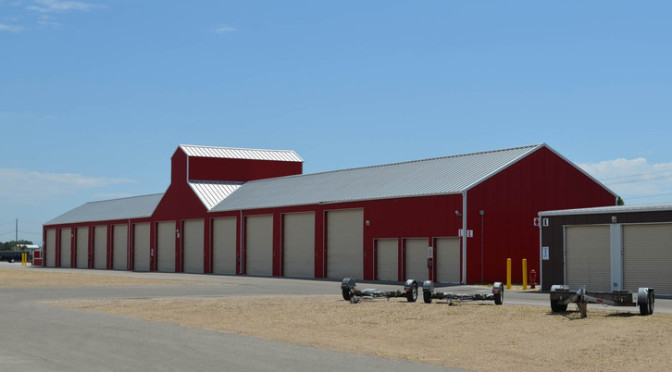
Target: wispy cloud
[[19, 186], [635, 180], [10, 28], [51, 6], [222, 30]]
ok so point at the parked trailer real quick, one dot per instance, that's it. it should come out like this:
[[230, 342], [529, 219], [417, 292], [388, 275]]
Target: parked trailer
[[14, 256], [561, 296], [354, 295], [429, 294]]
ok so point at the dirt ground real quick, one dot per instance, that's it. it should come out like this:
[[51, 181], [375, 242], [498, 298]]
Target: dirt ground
[[477, 336]]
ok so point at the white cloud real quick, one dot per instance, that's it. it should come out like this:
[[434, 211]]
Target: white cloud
[[49, 6], [223, 30], [10, 28], [20, 186], [635, 180]]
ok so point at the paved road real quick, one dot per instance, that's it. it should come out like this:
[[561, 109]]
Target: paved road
[[38, 337]]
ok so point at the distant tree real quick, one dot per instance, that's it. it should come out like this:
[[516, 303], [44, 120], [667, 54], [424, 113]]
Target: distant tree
[[620, 201], [11, 245]]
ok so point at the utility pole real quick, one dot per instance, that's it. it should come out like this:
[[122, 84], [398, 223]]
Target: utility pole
[[17, 231]]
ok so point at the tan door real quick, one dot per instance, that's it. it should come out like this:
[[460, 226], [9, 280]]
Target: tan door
[[141, 247], [120, 247], [416, 259], [345, 244], [50, 250], [299, 245], [224, 245], [66, 247], [100, 247], [82, 247], [387, 259], [447, 260], [647, 257], [166, 246], [259, 245], [588, 257], [193, 246]]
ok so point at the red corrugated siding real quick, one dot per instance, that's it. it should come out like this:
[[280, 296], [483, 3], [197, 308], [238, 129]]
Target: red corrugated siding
[[217, 169]]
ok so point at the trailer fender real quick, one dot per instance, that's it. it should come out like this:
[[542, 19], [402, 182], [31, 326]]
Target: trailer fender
[[498, 293], [559, 287], [411, 289], [646, 299]]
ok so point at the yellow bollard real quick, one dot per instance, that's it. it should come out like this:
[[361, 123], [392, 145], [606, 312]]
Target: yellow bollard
[[524, 274], [508, 273]]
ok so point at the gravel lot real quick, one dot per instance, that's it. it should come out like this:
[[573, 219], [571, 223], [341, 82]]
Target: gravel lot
[[477, 336]]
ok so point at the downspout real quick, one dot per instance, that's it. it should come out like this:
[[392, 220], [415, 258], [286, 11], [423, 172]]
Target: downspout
[[464, 237]]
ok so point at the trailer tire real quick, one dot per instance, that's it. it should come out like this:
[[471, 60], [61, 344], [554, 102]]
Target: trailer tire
[[11, 260], [647, 308], [412, 293], [347, 294], [499, 296], [427, 296], [557, 308]]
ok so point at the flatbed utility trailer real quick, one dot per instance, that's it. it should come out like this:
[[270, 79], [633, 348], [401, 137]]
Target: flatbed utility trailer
[[561, 296], [354, 295], [429, 294]]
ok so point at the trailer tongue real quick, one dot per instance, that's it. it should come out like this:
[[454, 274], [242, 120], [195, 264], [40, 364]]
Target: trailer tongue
[[561, 296]]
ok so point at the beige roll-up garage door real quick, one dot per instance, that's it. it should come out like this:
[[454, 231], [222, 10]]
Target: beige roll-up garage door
[[224, 245], [165, 248], [416, 259], [647, 257], [259, 245], [50, 250], [100, 247], [66, 247], [193, 246], [141, 247], [120, 247], [82, 247], [588, 257], [345, 244], [387, 259], [299, 245], [448, 260]]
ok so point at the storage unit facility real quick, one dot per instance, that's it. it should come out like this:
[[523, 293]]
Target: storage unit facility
[[242, 211], [608, 248]]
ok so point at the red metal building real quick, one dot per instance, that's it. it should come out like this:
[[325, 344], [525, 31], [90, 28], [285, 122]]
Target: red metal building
[[240, 211]]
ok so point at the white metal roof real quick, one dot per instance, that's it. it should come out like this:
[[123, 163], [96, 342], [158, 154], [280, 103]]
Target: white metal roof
[[611, 209], [116, 209], [438, 176], [237, 153], [212, 192]]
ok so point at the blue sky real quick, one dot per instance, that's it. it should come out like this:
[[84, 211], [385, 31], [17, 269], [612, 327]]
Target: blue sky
[[95, 96]]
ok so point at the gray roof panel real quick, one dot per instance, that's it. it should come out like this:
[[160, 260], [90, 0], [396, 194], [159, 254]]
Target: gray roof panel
[[239, 153], [107, 210], [655, 207], [437, 176], [212, 192]]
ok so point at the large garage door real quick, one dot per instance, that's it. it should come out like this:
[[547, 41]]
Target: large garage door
[[50, 250], [588, 257], [345, 244], [165, 249], [120, 247], [66, 247], [141, 247], [416, 259], [224, 245], [299, 245], [100, 247], [259, 245], [448, 260], [387, 259], [193, 246], [647, 257], [82, 247]]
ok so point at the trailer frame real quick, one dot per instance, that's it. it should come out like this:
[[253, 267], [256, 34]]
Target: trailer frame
[[561, 296], [351, 293], [429, 294]]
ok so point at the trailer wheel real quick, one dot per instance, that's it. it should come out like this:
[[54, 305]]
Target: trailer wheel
[[347, 294], [557, 308], [647, 308], [427, 296], [412, 293], [499, 297], [11, 260]]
